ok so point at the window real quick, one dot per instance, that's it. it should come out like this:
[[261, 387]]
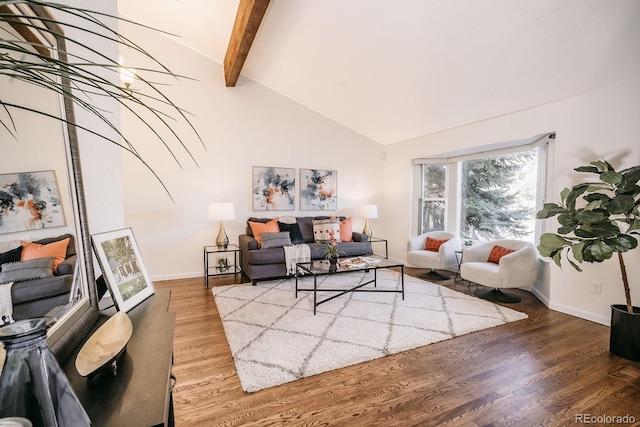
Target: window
[[433, 202], [498, 197], [487, 195]]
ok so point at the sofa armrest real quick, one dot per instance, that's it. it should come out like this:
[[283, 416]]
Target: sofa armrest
[[67, 266], [247, 243], [359, 237]]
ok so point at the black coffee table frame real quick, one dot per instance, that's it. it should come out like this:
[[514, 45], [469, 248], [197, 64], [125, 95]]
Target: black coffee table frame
[[321, 268]]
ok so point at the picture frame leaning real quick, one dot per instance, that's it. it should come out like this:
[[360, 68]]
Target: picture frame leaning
[[122, 267]]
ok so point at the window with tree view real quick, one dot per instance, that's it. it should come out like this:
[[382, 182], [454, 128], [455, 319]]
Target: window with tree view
[[487, 196], [498, 196], [433, 202]]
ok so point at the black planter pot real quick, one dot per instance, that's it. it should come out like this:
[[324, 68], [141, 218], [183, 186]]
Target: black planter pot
[[625, 332]]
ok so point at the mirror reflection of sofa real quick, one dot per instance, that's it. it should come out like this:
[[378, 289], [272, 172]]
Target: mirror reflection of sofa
[[260, 263], [42, 272]]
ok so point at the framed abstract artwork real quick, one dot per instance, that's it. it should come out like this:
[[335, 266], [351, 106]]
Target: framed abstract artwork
[[318, 190], [29, 201], [274, 189], [122, 267]]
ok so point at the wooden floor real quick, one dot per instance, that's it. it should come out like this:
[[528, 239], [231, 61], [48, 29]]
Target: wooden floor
[[547, 370]]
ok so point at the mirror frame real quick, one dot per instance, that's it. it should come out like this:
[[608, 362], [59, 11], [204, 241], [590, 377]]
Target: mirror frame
[[74, 326]]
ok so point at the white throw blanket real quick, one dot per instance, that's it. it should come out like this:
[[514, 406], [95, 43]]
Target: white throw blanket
[[294, 254]]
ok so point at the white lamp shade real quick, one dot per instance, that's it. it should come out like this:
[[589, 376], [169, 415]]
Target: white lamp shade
[[221, 211], [127, 76], [368, 211]]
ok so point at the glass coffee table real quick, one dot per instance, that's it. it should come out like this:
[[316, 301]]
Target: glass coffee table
[[316, 269]]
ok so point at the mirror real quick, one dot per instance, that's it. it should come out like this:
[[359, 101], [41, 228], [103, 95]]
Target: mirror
[[45, 144]]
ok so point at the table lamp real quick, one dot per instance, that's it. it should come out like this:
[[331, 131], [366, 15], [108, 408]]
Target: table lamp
[[221, 211], [367, 212]]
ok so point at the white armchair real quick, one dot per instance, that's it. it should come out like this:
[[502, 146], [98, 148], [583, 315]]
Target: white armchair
[[444, 259], [514, 270]]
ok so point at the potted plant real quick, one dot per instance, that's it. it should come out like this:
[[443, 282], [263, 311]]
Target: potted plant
[[604, 223]]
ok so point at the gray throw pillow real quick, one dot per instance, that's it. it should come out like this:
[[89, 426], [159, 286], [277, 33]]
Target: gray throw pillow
[[275, 240], [39, 268]]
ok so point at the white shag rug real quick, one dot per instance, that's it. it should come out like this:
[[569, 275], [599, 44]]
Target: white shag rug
[[275, 338]]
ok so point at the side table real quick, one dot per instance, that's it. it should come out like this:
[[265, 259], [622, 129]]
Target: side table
[[459, 255], [379, 240], [221, 270]]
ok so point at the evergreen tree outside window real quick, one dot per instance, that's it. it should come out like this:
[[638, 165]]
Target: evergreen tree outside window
[[498, 197], [490, 194], [434, 201]]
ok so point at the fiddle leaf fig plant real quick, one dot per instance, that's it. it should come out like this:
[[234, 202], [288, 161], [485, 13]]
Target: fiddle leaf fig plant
[[597, 219]]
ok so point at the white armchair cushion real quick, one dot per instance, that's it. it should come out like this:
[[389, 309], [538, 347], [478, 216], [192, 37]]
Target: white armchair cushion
[[444, 259], [517, 269]]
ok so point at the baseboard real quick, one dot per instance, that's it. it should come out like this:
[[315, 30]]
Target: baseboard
[[543, 299], [603, 320], [177, 276]]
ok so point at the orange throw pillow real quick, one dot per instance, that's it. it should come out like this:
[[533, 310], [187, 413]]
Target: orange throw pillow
[[56, 250], [257, 228], [346, 230], [498, 252], [433, 245]]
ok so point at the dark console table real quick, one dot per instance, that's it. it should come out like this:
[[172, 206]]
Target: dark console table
[[140, 393]]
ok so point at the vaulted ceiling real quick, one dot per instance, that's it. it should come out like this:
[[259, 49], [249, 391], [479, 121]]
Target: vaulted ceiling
[[396, 70]]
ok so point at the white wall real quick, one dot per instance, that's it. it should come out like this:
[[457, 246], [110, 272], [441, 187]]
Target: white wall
[[101, 160], [603, 123], [241, 127]]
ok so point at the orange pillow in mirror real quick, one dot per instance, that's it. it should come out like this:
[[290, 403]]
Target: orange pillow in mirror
[[257, 228], [56, 250], [498, 252], [433, 245]]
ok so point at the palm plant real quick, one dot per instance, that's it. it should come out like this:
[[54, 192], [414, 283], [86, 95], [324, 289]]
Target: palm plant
[[82, 79], [603, 225]]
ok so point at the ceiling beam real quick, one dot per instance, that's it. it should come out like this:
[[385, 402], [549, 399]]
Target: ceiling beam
[[248, 19]]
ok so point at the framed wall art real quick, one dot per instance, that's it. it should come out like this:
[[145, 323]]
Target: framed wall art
[[318, 190], [122, 267], [29, 201], [274, 189]]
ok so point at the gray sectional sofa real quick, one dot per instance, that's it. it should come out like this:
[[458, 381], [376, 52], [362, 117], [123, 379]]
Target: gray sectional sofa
[[263, 264], [37, 297]]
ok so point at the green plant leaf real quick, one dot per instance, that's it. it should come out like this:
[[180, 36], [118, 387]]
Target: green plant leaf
[[575, 192], [602, 165], [591, 169], [564, 194], [630, 181], [594, 186], [596, 196], [622, 243], [611, 177], [593, 205], [574, 265], [551, 243], [584, 233], [576, 251], [591, 217], [567, 218], [635, 225], [605, 229], [600, 251], [620, 204], [549, 210]]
